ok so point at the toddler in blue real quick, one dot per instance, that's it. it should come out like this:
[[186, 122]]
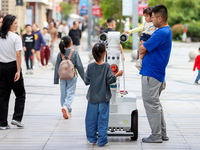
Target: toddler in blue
[[99, 76]]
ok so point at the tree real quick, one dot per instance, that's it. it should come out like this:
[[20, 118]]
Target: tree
[[180, 11], [66, 9], [113, 8]]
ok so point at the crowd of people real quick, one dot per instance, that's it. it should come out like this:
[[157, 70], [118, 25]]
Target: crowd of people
[[154, 54]]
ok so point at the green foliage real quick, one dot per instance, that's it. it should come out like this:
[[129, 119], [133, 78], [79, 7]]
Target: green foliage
[[180, 11], [177, 31], [66, 9], [102, 22], [193, 30], [128, 44], [113, 8]]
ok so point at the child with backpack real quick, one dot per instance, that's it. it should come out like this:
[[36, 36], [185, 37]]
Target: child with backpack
[[67, 87], [99, 76]]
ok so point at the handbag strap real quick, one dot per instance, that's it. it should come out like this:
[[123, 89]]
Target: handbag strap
[[70, 55]]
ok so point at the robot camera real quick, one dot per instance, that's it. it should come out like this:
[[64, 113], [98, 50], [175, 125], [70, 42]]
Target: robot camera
[[103, 37], [124, 37]]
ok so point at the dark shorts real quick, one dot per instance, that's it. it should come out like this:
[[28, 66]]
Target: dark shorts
[[144, 37]]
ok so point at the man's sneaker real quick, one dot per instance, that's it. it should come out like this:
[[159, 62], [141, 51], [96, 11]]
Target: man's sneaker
[[4, 127], [65, 112], [138, 64], [196, 83], [17, 123], [91, 143], [165, 138], [151, 139]]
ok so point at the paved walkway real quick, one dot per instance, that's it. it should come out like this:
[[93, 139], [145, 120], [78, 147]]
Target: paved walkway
[[45, 129]]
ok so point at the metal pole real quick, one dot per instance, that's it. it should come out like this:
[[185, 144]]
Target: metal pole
[[89, 22], [135, 24], [0, 4], [93, 31], [54, 10]]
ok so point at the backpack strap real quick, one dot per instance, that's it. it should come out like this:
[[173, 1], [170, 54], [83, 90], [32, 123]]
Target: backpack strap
[[69, 57]]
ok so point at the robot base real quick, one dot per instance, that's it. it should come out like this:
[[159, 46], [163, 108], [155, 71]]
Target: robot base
[[123, 117]]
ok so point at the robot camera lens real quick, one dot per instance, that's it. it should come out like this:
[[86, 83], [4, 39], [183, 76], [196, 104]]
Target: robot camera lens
[[123, 38], [103, 37]]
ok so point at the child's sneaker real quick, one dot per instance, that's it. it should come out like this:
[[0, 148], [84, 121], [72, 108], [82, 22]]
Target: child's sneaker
[[105, 144], [31, 71], [28, 71], [65, 112], [91, 143], [17, 123], [138, 64], [4, 127]]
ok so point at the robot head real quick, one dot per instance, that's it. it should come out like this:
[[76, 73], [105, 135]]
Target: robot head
[[104, 37]]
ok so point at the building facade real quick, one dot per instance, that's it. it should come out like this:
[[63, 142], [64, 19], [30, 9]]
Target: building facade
[[10, 7]]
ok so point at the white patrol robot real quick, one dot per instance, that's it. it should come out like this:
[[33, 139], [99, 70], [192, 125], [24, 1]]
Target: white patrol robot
[[123, 116]]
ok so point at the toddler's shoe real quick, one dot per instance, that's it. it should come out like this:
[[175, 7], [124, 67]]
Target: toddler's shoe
[[138, 64], [65, 112]]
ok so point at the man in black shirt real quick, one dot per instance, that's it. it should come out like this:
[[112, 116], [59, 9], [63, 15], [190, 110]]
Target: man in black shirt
[[111, 25], [75, 34]]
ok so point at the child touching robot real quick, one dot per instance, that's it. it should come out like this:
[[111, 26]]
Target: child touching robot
[[99, 76], [147, 29]]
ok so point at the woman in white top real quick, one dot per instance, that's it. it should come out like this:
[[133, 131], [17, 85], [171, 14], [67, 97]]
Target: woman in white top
[[10, 72]]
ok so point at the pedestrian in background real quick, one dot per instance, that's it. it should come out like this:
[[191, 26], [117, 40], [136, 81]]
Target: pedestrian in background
[[29, 48], [10, 72], [157, 49], [197, 65], [184, 36], [111, 25], [99, 76], [60, 30], [68, 87], [54, 35], [81, 26], [65, 29], [75, 34], [38, 42], [46, 50], [1, 20]]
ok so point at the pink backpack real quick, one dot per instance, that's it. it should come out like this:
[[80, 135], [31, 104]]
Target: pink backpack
[[66, 68]]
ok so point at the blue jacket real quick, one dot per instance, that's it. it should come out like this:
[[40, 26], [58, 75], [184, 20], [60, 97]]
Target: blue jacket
[[38, 40]]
